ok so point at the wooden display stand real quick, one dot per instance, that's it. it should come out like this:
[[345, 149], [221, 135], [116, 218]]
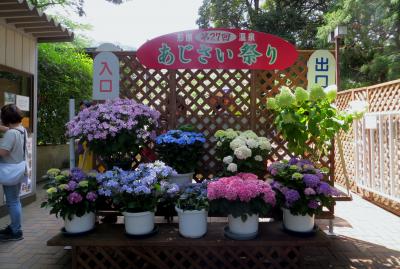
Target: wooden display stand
[[108, 247]]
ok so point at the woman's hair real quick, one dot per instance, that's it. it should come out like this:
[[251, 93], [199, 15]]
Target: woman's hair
[[11, 114]]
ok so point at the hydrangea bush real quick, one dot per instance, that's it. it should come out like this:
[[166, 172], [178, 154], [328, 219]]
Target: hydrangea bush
[[116, 129], [138, 190], [240, 195], [303, 116], [193, 197], [299, 187], [180, 149], [70, 192], [241, 151]]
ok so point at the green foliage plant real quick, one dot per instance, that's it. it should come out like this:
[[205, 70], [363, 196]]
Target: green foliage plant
[[309, 120]]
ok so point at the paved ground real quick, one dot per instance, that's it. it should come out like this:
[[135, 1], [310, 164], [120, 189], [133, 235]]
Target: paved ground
[[368, 237]]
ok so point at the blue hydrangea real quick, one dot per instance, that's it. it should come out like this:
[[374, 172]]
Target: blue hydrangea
[[180, 137]]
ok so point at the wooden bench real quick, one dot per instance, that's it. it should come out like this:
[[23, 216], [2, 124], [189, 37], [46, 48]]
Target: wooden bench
[[108, 247]]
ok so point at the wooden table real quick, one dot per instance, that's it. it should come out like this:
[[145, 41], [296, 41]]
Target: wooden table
[[108, 247]]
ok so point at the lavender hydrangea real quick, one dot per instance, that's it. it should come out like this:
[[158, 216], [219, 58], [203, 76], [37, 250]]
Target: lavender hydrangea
[[106, 120], [291, 196]]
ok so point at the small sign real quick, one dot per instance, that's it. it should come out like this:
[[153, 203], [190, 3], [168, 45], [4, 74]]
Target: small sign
[[370, 122], [22, 102], [321, 69], [217, 49], [9, 98], [105, 76]]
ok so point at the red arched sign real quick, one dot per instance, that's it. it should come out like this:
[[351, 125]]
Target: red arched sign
[[217, 49]]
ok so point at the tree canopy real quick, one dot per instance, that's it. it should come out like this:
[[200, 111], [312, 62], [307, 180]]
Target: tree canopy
[[75, 5], [371, 51]]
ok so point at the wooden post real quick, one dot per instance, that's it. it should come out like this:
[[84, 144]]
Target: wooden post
[[253, 100], [172, 100]]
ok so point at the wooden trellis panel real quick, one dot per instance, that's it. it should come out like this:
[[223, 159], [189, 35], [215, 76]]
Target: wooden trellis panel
[[382, 97], [213, 99]]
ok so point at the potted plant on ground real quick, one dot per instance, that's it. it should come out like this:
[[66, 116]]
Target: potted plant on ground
[[182, 151], [72, 195], [301, 192], [244, 198], [241, 151], [192, 208], [116, 130], [135, 193]]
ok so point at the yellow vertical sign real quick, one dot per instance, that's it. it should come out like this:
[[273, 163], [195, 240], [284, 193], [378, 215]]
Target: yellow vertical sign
[[321, 69]]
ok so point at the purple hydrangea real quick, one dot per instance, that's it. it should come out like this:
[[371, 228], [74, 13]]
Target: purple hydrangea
[[291, 196], [293, 161], [325, 189], [309, 191], [72, 185], [74, 198], [91, 196], [314, 204], [311, 180], [77, 174]]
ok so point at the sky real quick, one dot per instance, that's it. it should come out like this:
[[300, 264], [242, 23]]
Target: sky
[[132, 23]]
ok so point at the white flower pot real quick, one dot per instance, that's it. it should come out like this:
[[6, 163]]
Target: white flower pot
[[80, 224], [192, 223], [139, 223], [182, 179], [297, 223], [240, 227]]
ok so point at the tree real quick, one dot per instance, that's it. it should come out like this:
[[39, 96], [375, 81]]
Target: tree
[[64, 71], [293, 20], [372, 46], [76, 5]]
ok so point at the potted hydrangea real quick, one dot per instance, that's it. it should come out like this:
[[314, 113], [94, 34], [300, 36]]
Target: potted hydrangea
[[244, 198], [182, 151], [116, 130], [241, 151], [72, 195], [192, 208], [301, 192], [136, 194]]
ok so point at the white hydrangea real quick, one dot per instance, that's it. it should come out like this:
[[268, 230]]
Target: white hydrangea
[[232, 167], [252, 143], [242, 152], [258, 158], [236, 143], [230, 133], [264, 143], [219, 143], [249, 134], [228, 159]]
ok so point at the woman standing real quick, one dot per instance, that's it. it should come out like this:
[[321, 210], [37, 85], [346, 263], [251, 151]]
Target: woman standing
[[12, 150]]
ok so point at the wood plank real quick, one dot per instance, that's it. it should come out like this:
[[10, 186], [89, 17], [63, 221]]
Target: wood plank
[[3, 40], [18, 53], [10, 43], [32, 56], [25, 53]]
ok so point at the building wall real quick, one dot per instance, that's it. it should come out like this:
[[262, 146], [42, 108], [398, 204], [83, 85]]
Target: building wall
[[17, 50]]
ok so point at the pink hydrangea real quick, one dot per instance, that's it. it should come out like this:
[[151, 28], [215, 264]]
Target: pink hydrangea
[[243, 186]]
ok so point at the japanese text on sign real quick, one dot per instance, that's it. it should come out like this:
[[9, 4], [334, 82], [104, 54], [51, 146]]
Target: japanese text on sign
[[321, 69], [106, 76], [227, 48]]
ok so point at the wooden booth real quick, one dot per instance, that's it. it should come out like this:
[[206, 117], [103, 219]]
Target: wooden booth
[[22, 27]]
